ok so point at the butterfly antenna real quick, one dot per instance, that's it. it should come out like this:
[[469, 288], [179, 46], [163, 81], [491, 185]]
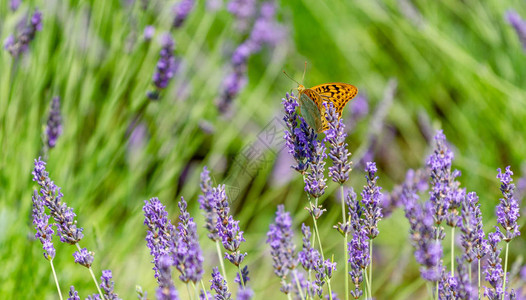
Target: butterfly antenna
[[290, 77], [304, 70]]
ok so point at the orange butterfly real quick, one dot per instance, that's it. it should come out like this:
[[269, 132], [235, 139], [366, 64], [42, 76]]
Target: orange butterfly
[[311, 102]]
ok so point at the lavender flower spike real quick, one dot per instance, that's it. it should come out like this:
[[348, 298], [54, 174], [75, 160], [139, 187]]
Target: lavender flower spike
[[188, 257], [228, 228], [73, 294], [219, 286], [280, 237], [20, 45], [54, 123], [84, 257], [51, 197], [314, 179], [206, 203], [508, 208], [182, 10], [493, 271], [518, 24], [335, 135], [300, 141], [160, 231], [472, 237], [166, 66], [371, 199], [166, 289], [44, 230], [107, 286], [359, 260]]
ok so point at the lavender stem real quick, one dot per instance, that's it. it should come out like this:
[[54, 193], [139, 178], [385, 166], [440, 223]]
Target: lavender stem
[[478, 265], [55, 277], [345, 241], [299, 285], [371, 268], [240, 276], [92, 276], [505, 270], [218, 247], [452, 251], [204, 289], [321, 248]]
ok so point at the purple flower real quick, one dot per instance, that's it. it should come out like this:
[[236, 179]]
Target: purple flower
[[244, 272], [308, 256], [358, 249], [160, 231], [445, 194], [413, 180], [233, 84], [107, 285], [314, 179], [166, 289], [181, 11], [166, 66], [44, 230], [280, 238], [51, 197], [148, 33], [245, 294], [73, 294], [244, 10], [493, 270], [472, 237], [508, 208], [335, 135], [83, 257], [228, 228], [54, 123], [19, 45], [206, 203], [188, 257], [428, 251], [371, 199], [14, 4], [219, 286], [300, 141], [519, 24], [266, 30]]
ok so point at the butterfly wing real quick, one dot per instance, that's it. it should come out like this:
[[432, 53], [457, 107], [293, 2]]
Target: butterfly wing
[[311, 109], [337, 93]]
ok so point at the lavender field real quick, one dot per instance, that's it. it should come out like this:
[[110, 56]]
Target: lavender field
[[157, 150]]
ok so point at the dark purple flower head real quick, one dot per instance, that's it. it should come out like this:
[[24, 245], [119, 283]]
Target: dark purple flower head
[[44, 230], [300, 141], [508, 208], [493, 269], [51, 197], [187, 254], [20, 45], [518, 24], [244, 272], [166, 289], [371, 199], [107, 286], [445, 194], [54, 123], [181, 11], [84, 257], [160, 231], [280, 237], [335, 135], [73, 294], [14, 4], [219, 286], [148, 33], [472, 237], [166, 65], [206, 203], [358, 249], [315, 182]]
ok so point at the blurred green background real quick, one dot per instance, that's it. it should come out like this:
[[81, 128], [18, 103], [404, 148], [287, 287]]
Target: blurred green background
[[459, 66]]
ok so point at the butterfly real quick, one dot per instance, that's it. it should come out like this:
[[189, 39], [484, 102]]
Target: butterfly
[[311, 102]]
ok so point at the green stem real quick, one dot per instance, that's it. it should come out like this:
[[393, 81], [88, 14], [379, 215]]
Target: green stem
[[240, 276], [371, 268], [345, 241], [92, 276], [478, 265], [204, 289], [321, 249], [452, 251], [55, 277], [366, 289], [218, 247], [436, 285], [188, 291], [505, 270]]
